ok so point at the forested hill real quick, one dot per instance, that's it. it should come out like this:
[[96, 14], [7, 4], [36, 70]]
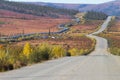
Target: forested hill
[[44, 11], [93, 15], [110, 8]]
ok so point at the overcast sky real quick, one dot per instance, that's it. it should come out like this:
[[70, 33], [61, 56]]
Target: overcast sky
[[67, 1]]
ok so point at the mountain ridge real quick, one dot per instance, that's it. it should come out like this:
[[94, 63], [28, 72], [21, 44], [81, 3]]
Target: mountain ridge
[[37, 10], [110, 8]]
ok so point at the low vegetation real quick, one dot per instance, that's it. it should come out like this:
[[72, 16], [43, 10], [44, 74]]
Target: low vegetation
[[87, 27], [17, 26], [112, 33], [2, 22], [13, 56], [35, 49]]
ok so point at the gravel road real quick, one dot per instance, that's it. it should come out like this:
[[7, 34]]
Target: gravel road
[[99, 65]]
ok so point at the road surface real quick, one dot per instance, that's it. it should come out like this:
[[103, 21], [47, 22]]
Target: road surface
[[99, 65]]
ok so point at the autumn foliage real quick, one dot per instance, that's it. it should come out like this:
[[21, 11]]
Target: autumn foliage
[[14, 56], [58, 51], [27, 50]]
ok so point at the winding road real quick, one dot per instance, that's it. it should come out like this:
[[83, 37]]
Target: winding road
[[99, 65]]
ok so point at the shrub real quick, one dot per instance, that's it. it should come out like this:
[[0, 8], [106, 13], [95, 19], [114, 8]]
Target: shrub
[[74, 52], [45, 51], [58, 51], [27, 50], [3, 59], [68, 54], [81, 52], [115, 51], [35, 56], [16, 54], [6, 61]]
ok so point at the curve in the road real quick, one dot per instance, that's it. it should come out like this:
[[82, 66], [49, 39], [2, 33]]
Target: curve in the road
[[102, 44], [96, 66]]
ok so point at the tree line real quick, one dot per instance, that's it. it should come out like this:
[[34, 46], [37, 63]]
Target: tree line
[[35, 9], [95, 15]]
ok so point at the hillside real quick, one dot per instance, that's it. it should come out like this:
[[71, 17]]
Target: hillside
[[92, 15], [61, 5], [110, 8], [16, 15], [36, 10]]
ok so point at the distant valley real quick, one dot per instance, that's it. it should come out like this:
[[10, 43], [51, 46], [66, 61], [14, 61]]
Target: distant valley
[[111, 8]]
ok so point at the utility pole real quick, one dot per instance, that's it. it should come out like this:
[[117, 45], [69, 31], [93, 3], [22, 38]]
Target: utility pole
[[23, 32], [49, 32]]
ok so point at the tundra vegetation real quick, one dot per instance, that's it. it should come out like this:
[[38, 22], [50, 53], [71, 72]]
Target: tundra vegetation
[[32, 49], [12, 57], [112, 33]]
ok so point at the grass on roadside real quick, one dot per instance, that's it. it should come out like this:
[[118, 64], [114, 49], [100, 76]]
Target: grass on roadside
[[112, 34]]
